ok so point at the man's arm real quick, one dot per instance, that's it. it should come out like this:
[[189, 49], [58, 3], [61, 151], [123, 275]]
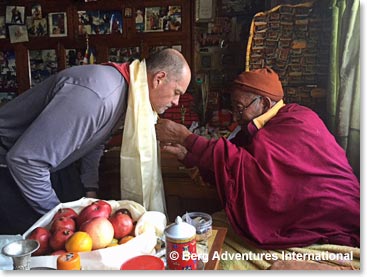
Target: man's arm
[[63, 127], [89, 171]]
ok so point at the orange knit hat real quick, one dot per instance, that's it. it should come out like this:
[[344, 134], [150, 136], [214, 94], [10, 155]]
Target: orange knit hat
[[263, 82]]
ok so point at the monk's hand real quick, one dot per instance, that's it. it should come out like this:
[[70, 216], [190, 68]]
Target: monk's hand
[[176, 149], [169, 131]]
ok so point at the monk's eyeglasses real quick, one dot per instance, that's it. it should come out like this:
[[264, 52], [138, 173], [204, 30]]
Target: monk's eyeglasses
[[240, 112]]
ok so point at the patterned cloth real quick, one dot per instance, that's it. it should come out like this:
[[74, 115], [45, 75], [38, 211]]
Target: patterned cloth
[[335, 256]]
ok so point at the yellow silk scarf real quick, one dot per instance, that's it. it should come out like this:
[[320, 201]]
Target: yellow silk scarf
[[261, 120], [141, 178]]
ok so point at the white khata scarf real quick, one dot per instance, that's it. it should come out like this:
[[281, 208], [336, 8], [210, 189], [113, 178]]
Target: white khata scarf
[[140, 169]]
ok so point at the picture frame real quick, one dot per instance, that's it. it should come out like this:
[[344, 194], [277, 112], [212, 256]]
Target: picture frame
[[15, 15], [18, 33], [128, 12], [153, 20], [204, 10], [172, 20], [36, 27], [42, 64], [2, 27], [36, 11], [8, 74], [139, 19], [57, 23], [84, 23]]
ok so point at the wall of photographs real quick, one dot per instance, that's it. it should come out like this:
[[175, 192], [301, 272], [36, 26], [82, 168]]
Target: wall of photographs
[[39, 38]]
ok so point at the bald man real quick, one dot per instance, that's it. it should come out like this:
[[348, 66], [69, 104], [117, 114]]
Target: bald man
[[69, 118], [283, 180]]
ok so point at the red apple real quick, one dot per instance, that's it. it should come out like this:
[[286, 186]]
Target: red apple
[[42, 235], [62, 223], [122, 224], [101, 231], [65, 212], [95, 209], [59, 237]]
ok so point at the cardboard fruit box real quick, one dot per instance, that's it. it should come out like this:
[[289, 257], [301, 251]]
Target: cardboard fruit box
[[110, 258]]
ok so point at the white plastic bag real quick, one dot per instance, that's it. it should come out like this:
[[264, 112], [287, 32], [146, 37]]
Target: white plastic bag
[[110, 258]]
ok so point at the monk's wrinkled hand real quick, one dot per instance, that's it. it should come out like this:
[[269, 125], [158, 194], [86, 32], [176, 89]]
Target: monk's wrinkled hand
[[176, 149], [169, 131]]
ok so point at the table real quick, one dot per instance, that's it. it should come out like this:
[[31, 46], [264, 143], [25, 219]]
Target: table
[[215, 246]]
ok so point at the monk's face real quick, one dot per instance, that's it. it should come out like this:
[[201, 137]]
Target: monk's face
[[246, 106], [165, 91]]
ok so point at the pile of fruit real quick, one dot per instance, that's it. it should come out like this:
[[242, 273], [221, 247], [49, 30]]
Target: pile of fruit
[[95, 227]]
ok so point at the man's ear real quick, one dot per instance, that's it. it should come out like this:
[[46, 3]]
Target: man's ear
[[158, 78], [266, 102]]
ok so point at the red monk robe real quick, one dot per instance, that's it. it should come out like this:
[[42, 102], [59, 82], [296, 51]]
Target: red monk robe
[[290, 185]]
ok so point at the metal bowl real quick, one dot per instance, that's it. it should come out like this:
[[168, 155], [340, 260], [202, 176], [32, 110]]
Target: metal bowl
[[20, 251], [20, 248]]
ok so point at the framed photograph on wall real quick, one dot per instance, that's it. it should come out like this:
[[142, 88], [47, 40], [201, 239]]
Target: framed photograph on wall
[[139, 20], [43, 63], [36, 27], [2, 27], [8, 74], [57, 23], [204, 10], [14, 15], [128, 12], [18, 33], [37, 11], [153, 19]]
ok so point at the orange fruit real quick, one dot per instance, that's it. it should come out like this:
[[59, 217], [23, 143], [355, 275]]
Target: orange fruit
[[79, 242], [125, 239]]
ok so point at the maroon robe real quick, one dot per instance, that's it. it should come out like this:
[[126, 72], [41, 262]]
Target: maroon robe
[[287, 184]]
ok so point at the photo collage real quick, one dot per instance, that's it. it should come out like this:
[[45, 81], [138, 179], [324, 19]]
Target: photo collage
[[8, 82], [100, 22], [158, 19]]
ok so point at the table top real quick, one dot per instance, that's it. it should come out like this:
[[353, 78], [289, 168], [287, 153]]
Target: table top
[[215, 246]]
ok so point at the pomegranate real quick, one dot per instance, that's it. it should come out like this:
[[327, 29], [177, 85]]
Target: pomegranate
[[62, 223], [95, 209], [42, 235], [122, 224], [65, 212], [59, 237]]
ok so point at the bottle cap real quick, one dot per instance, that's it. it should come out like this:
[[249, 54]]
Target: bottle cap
[[180, 230], [143, 262]]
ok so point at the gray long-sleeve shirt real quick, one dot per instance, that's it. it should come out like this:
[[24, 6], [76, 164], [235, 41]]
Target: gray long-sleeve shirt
[[68, 117]]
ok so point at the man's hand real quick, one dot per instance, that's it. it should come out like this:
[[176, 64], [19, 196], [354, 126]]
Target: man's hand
[[91, 194], [169, 131]]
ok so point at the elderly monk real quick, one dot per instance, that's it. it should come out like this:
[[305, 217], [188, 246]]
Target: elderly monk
[[283, 180]]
